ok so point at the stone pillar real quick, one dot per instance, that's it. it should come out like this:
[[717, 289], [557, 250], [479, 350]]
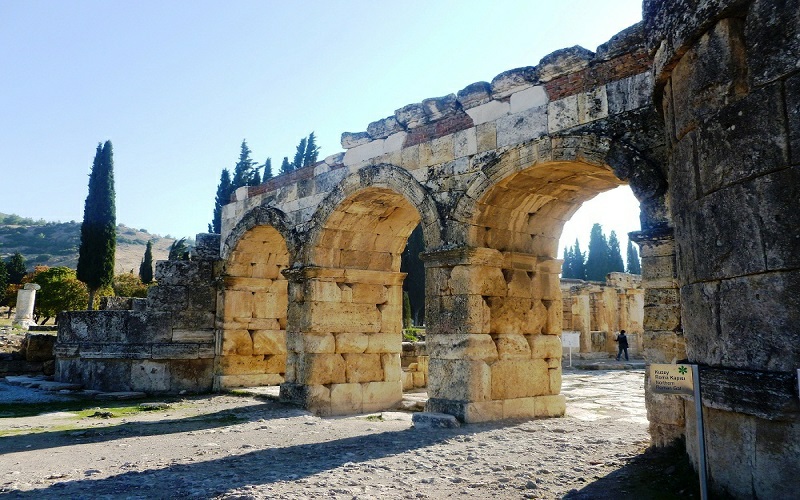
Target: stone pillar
[[493, 326], [728, 83], [26, 296], [662, 340], [344, 338]]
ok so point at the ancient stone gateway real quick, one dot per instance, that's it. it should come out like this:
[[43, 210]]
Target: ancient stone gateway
[[312, 292], [697, 108]]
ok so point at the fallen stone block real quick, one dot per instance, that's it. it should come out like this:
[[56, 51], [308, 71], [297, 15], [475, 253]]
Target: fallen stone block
[[426, 420]]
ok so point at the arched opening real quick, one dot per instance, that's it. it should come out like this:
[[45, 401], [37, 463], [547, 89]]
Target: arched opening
[[254, 311], [346, 313]]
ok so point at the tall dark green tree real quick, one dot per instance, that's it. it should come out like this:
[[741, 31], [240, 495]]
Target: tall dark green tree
[[597, 264], [574, 266], [286, 167], [99, 228], [16, 268], [224, 190], [243, 171], [267, 170], [615, 263], [3, 279], [414, 283], [312, 150], [299, 154], [255, 179], [146, 267], [634, 266]]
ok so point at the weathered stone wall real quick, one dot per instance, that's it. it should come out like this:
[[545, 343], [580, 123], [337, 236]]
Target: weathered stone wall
[[728, 84], [414, 362], [599, 311], [165, 347]]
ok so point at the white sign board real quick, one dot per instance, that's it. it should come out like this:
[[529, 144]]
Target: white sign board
[[672, 379], [571, 339]]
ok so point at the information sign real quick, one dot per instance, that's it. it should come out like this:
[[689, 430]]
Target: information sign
[[571, 339], [672, 379]]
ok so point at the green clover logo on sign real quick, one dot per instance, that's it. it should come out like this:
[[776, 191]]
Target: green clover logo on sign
[[682, 370]]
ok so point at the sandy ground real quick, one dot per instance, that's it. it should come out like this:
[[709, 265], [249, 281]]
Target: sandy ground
[[246, 447]]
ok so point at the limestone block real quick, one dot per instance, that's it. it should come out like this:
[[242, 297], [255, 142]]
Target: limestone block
[[251, 380], [459, 380], [351, 140], [237, 342], [756, 124], [238, 304], [522, 126], [365, 293], [508, 314], [394, 143], [537, 318], [408, 380], [383, 128], [363, 367], [555, 378], [191, 375], [201, 336], [343, 317], [462, 314], [545, 346], [150, 376], [562, 114], [592, 105], [346, 399], [381, 395], [269, 341], [442, 150], [314, 342], [391, 367], [409, 158], [487, 136], [555, 317], [474, 95], [275, 363], [176, 351], [478, 280], [629, 93], [482, 411], [465, 143], [358, 259], [511, 81], [239, 365], [519, 378], [439, 107], [321, 369], [411, 116], [528, 98], [519, 408], [420, 379], [563, 62], [511, 346], [323, 291], [488, 112], [518, 283], [384, 343], [349, 342], [462, 346], [551, 406], [364, 152], [269, 305]]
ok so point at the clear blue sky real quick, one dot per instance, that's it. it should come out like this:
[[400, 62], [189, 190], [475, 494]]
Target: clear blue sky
[[177, 85]]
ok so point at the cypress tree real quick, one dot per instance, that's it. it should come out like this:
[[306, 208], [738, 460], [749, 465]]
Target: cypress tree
[[16, 268], [312, 151], [414, 283], [243, 171], [566, 267], [286, 167], [146, 267], [99, 228], [224, 190], [597, 261], [3, 280], [299, 154], [255, 180], [615, 263], [267, 170], [634, 266], [578, 262]]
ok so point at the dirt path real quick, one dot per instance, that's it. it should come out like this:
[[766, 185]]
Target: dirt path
[[229, 446]]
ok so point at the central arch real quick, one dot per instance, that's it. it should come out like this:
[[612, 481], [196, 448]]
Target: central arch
[[345, 316]]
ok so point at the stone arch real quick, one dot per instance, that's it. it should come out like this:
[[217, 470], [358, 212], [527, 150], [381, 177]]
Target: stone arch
[[253, 302], [345, 322], [387, 178]]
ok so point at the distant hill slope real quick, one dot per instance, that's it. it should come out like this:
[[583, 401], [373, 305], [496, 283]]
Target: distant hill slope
[[56, 243]]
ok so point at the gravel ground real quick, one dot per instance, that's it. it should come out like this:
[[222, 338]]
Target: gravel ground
[[245, 447]]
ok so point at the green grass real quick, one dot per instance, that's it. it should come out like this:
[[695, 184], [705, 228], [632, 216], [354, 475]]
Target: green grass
[[374, 418], [82, 408]]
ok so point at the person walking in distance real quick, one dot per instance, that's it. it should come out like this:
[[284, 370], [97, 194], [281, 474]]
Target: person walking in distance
[[623, 344]]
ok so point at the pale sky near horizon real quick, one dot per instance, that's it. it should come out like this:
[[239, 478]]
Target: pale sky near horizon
[[177, 85]]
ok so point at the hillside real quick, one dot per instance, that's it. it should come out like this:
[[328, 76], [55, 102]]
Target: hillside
[[56, 243]]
